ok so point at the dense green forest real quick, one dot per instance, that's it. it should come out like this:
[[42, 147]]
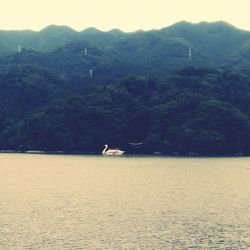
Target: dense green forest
[[179, 90]]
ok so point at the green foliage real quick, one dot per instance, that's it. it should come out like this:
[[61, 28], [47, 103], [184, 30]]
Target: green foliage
[[143, 89], [115, 54], [178, 114]]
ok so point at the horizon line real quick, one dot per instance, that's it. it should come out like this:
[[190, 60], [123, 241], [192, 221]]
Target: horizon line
[[121, 30]]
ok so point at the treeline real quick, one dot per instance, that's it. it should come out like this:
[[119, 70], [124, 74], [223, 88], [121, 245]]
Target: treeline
[[195, 110]]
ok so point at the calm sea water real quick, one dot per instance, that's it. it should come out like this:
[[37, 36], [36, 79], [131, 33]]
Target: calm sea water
[[95, 202]]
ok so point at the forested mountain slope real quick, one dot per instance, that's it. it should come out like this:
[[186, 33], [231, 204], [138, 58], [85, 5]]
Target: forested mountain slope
[[181, 89]]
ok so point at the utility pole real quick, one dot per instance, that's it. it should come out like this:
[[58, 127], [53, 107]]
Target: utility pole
[[190, 54]]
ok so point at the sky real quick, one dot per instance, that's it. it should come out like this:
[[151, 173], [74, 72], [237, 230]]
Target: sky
[[127, 15]]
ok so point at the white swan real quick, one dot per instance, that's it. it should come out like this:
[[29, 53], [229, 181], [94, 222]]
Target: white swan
[[107, 151]]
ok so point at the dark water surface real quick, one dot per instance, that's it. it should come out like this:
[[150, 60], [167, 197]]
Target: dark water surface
[[95, 202]]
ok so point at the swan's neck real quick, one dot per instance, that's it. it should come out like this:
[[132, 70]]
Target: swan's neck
[[104, 150]]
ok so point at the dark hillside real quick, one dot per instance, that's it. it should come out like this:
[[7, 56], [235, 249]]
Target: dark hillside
[[182, 89]]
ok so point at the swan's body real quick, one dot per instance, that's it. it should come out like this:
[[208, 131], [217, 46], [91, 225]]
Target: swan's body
[[107, 151]]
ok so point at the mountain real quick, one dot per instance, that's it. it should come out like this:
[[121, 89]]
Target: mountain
[[52, 37], [181, 89], [47, 39], [10, 40], [218, 41], [155, 52]]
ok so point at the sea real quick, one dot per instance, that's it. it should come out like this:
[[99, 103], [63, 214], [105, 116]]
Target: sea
[[126, 202]]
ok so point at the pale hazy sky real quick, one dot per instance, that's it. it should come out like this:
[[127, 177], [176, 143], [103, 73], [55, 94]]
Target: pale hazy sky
[[127, 15]]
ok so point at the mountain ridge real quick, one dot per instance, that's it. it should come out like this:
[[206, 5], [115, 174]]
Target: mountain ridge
[[17, 37], [117, 53], [155, 52], [181, 89]]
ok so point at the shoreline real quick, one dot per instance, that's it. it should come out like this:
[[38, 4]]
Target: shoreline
[[59, 152]]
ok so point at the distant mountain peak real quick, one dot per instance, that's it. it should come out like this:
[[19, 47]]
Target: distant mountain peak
[[219, 23], [91, 30], [115, 31], [53, 27], [217, 27]]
